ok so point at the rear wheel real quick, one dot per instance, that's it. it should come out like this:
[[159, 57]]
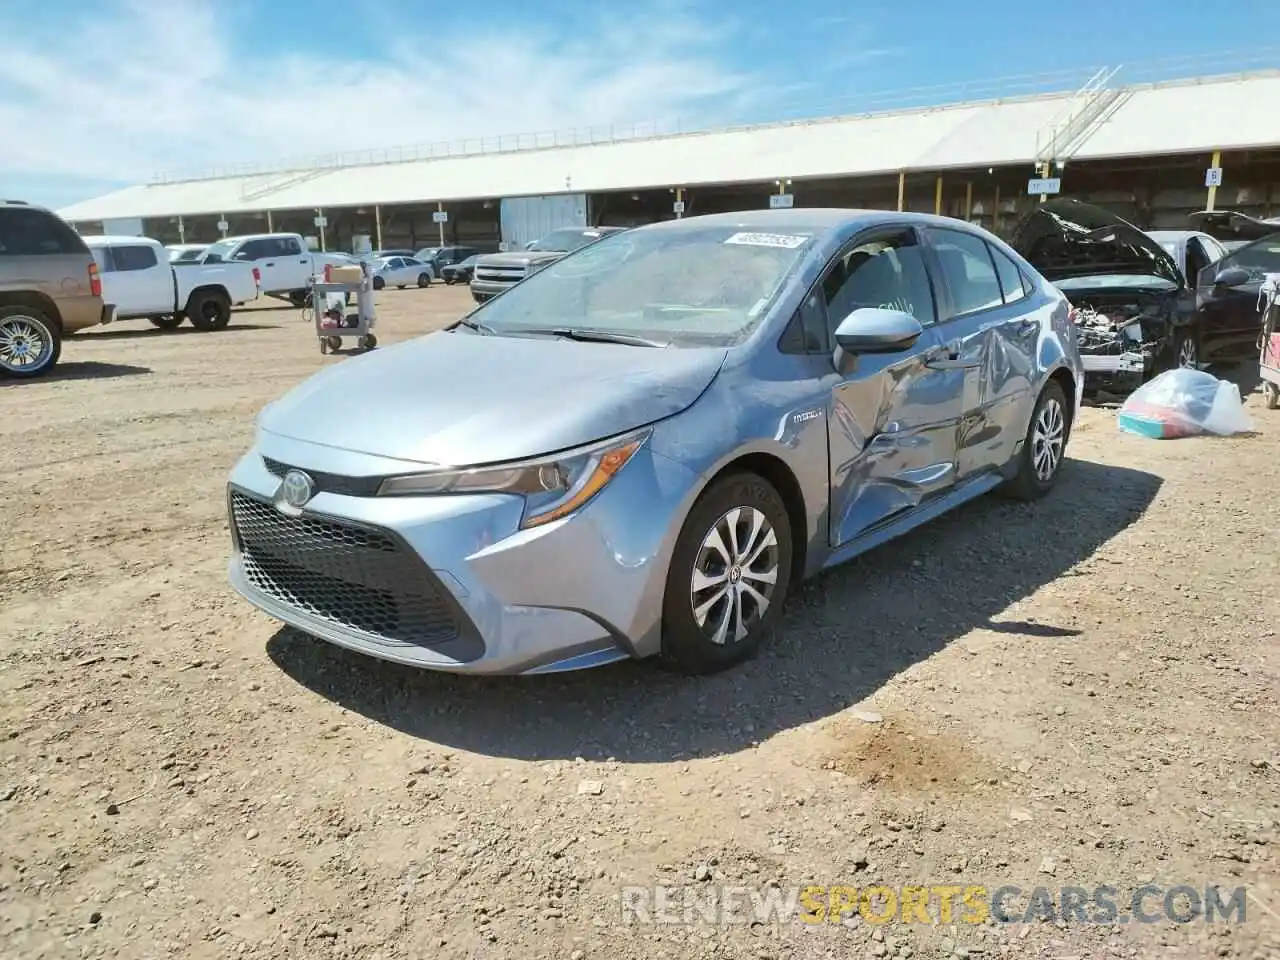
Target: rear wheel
[[729, 576], [1044, 447], [170, 321], [424, 279], [209, 310], [30, 343]]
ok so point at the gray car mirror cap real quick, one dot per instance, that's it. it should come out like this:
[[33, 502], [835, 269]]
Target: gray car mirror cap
[[1232, 277], [877, 330]]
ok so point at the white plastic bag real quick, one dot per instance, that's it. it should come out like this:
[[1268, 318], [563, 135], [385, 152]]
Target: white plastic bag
[[1184, 403]]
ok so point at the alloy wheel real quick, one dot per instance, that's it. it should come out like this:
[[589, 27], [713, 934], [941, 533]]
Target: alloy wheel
[[734, 575], [1187, 358], [1048, 438], [25, 344]]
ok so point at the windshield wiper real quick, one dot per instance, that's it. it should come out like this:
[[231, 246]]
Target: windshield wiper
[[477, 326], [598, 336]]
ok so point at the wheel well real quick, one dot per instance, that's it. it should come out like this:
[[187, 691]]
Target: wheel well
[[784, 481], [1062, 376], [34, 300], [205, 291]]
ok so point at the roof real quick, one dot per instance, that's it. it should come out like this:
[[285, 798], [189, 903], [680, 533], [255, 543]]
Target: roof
[[111, 239], [1187, 116]]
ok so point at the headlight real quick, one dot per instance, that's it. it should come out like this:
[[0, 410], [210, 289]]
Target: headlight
[[552, 487]]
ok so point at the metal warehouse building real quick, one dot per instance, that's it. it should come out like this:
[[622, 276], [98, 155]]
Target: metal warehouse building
[[1148, 151]]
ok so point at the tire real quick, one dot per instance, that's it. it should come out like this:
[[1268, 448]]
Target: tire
[[1186, 349], [378, 283], [368, 341], [30, 343], [424, 280], [209, 310], [477, 298], [1031, 482], [693, 648], [170, 321], [1272, 395]]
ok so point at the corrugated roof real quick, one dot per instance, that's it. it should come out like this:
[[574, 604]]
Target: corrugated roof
[[1180, 117]]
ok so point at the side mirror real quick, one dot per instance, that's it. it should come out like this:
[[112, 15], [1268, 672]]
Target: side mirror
[[1231, 277], [873, 330]]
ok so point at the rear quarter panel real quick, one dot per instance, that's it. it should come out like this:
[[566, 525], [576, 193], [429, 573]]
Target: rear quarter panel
[[63, 279]]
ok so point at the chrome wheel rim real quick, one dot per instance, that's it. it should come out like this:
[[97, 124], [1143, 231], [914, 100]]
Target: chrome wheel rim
[[25, 344], [734, 575], [1047, 439], [1187, 354]]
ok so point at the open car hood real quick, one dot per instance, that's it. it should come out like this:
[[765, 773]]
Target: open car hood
[[1226, 226], [1065, 238]]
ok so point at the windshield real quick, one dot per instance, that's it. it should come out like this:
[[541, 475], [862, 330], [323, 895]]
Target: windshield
[[1140, 281], [426, 253], [219, 251], [565, 240], [693, 285]]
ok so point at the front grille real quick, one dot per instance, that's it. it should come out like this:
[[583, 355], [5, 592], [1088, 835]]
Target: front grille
[[329, 482], [352, 576], [500, 274]]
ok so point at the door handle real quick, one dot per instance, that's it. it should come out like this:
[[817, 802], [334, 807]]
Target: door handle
[[269, 264], [947, 357]]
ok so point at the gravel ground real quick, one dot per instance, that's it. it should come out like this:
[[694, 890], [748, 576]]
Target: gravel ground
[[1080, 692]]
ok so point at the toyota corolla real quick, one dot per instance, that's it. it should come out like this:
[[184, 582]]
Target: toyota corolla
[[641, 449]]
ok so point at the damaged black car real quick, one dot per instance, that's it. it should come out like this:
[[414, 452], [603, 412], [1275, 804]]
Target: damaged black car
[[1135, 314]]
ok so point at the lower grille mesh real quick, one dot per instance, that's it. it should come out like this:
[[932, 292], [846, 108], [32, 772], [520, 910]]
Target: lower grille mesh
[[358, 578]]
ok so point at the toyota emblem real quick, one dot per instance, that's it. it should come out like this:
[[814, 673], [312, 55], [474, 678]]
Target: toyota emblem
[[297, 488]]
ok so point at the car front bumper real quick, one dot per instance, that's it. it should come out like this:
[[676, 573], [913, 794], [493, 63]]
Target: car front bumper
[[490, 288], [450, 582], [1116, 371]]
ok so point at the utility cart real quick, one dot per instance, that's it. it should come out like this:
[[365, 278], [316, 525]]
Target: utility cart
[[1269, 340], [329, 299]]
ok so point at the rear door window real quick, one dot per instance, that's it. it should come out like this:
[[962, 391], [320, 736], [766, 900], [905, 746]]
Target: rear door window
[[134, 257], [290, 247], [27, 232]]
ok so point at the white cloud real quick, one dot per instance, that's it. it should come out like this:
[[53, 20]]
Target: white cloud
[[135, 87]]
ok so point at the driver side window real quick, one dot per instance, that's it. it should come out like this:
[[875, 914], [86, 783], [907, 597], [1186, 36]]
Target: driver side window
[[886, 272]]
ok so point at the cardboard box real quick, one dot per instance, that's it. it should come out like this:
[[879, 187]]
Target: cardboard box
[[351, 274]]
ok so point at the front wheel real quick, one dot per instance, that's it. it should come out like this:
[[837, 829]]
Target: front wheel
[[1186, 349], [1044, 447], [30, 343], [424, 279], [729, 576]]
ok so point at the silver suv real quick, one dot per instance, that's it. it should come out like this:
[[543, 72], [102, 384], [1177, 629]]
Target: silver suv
[[49, 288]]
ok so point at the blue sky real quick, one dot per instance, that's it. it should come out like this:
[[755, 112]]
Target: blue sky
[[107, 94]]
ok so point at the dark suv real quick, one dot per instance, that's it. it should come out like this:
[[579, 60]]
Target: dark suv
[[440, 257], [49, 288]]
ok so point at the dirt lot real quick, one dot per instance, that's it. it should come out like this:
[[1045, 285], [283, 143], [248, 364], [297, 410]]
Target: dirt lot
[[1082, 692]]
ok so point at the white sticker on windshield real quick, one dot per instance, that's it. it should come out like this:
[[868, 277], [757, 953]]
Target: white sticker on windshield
[[784, 241]]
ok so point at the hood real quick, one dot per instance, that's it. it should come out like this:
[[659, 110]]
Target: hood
[[462, 399], [1066, 238], [1227, 225], [518, 258]]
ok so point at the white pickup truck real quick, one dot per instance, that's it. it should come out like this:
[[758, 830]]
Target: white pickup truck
[[285, 263], [139, 279]]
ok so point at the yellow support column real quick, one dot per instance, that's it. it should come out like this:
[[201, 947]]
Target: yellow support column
[[270, 229], [968, 200], [680, 201], [440, 207], [1213, 191], [377, 223], [902, 190], [937, 197]]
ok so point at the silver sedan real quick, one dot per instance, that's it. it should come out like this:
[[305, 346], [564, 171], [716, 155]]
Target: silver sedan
[[641, 449], [401, 272]]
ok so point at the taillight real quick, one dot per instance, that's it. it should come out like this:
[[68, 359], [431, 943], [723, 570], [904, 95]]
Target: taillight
[[328, 273], [257, 276], [95, 281]]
